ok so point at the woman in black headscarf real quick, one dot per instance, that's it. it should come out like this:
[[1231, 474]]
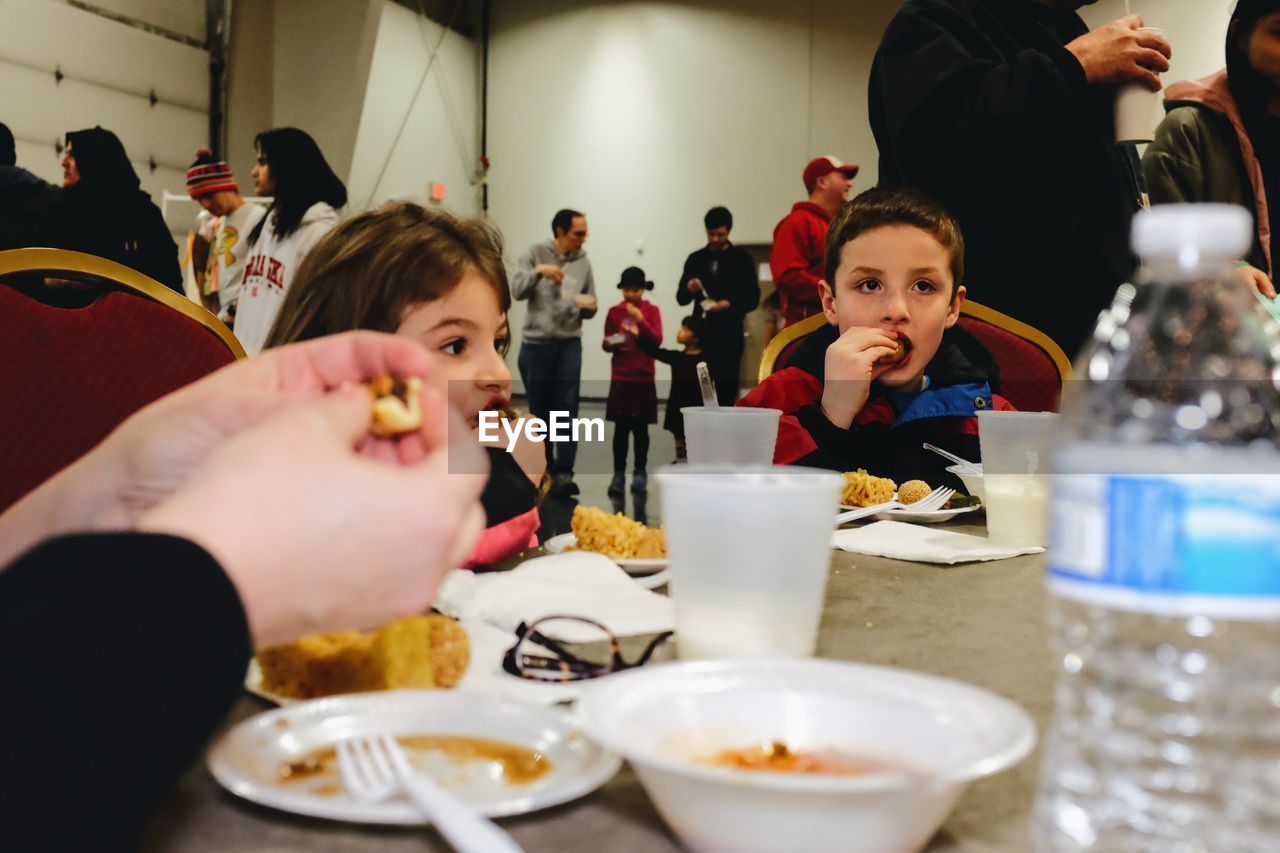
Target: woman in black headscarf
[[105, 213], [1221, 139]]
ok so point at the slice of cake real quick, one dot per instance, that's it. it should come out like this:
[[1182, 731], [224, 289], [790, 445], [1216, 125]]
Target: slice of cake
[[414, 652]]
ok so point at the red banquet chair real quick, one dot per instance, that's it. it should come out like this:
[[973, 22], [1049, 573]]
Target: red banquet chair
[[1032, 366], [80, 357]]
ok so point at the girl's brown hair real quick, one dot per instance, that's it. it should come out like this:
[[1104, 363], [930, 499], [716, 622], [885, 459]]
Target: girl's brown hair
[[366, 272]]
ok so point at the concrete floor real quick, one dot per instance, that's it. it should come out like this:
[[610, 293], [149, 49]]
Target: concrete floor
[[594, 470]]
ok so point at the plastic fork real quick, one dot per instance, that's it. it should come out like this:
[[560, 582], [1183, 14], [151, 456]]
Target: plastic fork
[[928, 503], [374, 768]]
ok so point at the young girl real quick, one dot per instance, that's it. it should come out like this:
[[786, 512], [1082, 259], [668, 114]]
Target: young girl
[[685, 390], [440, 280], [633, 398], [306, 192]]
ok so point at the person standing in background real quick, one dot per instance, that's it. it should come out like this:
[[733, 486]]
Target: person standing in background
[[1003, 111], [104, 211], [720, 280], [555, 277], [306, 193], [800, 239], [1221, 139], [25, 200], [214, 188]]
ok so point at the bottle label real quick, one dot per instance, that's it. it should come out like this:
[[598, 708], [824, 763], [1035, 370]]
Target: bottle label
[[1181, 545]]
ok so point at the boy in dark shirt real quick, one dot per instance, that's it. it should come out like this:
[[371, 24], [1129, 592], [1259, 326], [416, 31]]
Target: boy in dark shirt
[[685, 390]]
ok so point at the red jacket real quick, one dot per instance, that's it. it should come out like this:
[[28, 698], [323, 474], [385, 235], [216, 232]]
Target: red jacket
[[886, 436], [799, 244], [629, 363]]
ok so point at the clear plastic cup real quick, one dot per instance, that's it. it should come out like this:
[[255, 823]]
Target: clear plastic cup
[[1137, 108], [749, 549], [731, 435], [1015, 475]]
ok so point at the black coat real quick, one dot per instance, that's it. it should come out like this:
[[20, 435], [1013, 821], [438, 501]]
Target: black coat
[[729, 274], [25, 202], [129, 230], [979, 103]]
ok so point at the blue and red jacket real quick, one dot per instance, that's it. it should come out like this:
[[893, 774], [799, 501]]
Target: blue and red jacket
[[886, 437]]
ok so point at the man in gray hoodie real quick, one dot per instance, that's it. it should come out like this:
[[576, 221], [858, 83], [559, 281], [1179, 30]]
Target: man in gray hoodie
[[555, 277]]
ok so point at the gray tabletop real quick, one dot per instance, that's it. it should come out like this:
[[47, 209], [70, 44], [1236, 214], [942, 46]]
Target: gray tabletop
[[982, 623]]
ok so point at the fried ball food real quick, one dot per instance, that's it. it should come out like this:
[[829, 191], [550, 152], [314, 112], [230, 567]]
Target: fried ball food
[[912, 491], [896, 356]]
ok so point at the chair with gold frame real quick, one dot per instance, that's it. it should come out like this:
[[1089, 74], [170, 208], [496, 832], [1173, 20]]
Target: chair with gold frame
[[86, 342], [1032, 366]]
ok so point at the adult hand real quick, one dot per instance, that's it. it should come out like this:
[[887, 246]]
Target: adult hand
[[552, 272], [695, 285], [1116, 53], [319, 537], [1258, 280], [714, 306], [153, 453], [850, 367]]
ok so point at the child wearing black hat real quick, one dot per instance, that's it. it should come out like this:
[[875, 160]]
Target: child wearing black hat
[[633, 396], [685, 389]]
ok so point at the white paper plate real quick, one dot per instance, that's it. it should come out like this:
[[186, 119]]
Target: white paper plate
[[247, 759], [932, 517], [565, 541]]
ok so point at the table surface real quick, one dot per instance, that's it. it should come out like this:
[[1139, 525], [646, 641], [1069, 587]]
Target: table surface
[[981, 623]]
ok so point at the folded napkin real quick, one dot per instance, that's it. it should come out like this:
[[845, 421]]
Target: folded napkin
[[901, 541], [578, 583]]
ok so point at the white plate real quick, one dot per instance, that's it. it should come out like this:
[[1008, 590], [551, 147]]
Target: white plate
[[565, 541], [932, 517], [246, 760]]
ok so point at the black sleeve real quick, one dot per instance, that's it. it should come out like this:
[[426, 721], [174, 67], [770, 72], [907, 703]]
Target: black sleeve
[[744, 294], [119, 656], [666, 356], [944, 97], [508, 492], [161, 256], [683, 295]]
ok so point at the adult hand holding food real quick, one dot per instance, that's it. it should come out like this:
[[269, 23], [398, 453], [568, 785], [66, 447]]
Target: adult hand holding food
[[1118, 53], [153, 452], [856, 358], [553, 272], [317, 536]]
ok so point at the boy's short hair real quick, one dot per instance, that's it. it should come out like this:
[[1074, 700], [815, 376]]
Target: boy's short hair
[[718, 217], [696, 325], [882, 206], [563, 221]]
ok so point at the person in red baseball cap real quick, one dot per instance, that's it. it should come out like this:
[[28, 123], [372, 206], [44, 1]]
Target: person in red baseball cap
[[800, 239]]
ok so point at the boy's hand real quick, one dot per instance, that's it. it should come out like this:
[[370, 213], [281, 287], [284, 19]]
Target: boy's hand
[[850, 368]]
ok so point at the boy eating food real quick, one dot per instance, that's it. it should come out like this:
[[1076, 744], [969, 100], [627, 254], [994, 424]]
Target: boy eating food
[[889, 371]]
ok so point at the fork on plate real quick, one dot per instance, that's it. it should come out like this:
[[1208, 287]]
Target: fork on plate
[[928, 503], [374, 768]]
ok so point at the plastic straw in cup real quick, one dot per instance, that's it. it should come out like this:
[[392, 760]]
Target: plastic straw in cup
[[708, 390]]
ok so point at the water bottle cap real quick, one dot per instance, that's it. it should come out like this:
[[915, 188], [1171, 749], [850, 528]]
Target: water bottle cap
[[1222, 230]]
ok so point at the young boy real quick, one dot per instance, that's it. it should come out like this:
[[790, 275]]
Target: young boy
[[685, 389], [889, 372]]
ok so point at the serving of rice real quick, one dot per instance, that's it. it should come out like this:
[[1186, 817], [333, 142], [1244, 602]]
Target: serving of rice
[[616, 536]]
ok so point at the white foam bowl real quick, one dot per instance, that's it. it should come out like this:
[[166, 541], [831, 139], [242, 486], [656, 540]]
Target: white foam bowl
[[972, 482], [937, 736]]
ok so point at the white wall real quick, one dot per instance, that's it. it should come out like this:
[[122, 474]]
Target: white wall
[[440, 141], [111, 68], [644, 114]]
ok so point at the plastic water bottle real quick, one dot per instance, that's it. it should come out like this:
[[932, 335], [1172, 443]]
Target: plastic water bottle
[[1164, 560]]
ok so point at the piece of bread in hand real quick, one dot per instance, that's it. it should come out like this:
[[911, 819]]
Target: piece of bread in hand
[[396, 408]]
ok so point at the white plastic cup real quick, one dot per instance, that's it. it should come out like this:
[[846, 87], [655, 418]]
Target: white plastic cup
[[731, 435], [1015, 475], [1137, 108], [749, 550]]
